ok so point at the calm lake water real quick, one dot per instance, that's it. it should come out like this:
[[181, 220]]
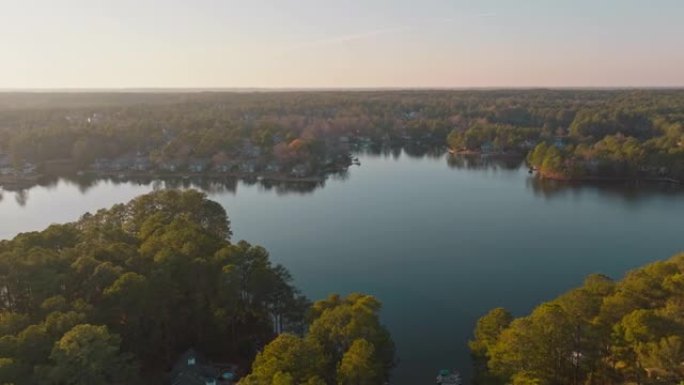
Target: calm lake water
[[438, 241]]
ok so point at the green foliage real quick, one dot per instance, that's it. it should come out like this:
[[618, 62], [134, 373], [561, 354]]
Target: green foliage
[[494, 137], [358, 365], [89, 355], [158, 273], [345, 344], [602, 332], [305, 128], [287, 359], [339, 322], [487, 332], [488, 329]]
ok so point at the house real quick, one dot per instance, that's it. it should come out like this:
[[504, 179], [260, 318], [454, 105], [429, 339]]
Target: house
[[273, 167], [224, 165], [487, 148], [5, 165], [300, 171], [100, 164], [141, 163], [118, 164], [250, 150], [124, 162], [410, 115], [192, 368], [559, 142], [198, 165], [171, 165], [247, 167]]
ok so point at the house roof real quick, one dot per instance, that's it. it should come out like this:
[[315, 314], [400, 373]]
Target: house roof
[[190, 377], [198, 373]]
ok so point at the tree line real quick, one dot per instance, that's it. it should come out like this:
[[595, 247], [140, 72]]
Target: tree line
[[596, 133]]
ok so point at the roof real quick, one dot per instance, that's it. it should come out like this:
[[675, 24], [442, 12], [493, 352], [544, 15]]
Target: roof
[[198, 373], [190, 377]]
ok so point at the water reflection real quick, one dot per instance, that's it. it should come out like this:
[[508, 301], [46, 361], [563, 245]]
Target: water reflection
[[395, 150], [479, 162], [628, 191], [21, 197], [547, 189]]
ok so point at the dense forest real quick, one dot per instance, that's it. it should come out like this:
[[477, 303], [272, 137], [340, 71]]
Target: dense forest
[[604, 332], [565, 134], [117, 296]]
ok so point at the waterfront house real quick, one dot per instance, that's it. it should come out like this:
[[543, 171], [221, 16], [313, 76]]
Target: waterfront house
[[100, 164], [487, 148], [5, 165], [124, 162], [198, 165], [171, 165], [192, 368], [273, 167], [300, 170], [248, 167], [141, 163], [224, 165]]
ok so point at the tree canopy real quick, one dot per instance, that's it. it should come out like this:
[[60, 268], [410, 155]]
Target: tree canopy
[[132, 287], [603, 332], [345, 345]]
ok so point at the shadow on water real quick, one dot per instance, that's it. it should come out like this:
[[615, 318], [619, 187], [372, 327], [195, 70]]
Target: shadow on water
[[551, 189], [545, 188], [395, 150], [480, 162], [627, 191], [211, 185]]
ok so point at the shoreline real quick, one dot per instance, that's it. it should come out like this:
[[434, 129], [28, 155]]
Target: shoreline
[[485, 154], [599, 179], [213, 175], [13, 182]]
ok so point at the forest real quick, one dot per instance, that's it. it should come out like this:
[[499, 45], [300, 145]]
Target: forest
[[565, 134], [117, 296], [605, 332]]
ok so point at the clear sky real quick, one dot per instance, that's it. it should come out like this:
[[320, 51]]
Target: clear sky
[[342, 43]]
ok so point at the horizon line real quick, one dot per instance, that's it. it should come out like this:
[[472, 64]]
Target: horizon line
[[171, 89]]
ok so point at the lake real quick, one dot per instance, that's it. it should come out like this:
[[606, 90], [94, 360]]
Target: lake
[[438, 240]]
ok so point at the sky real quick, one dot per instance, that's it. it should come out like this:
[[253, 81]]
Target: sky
[[48, 44]]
